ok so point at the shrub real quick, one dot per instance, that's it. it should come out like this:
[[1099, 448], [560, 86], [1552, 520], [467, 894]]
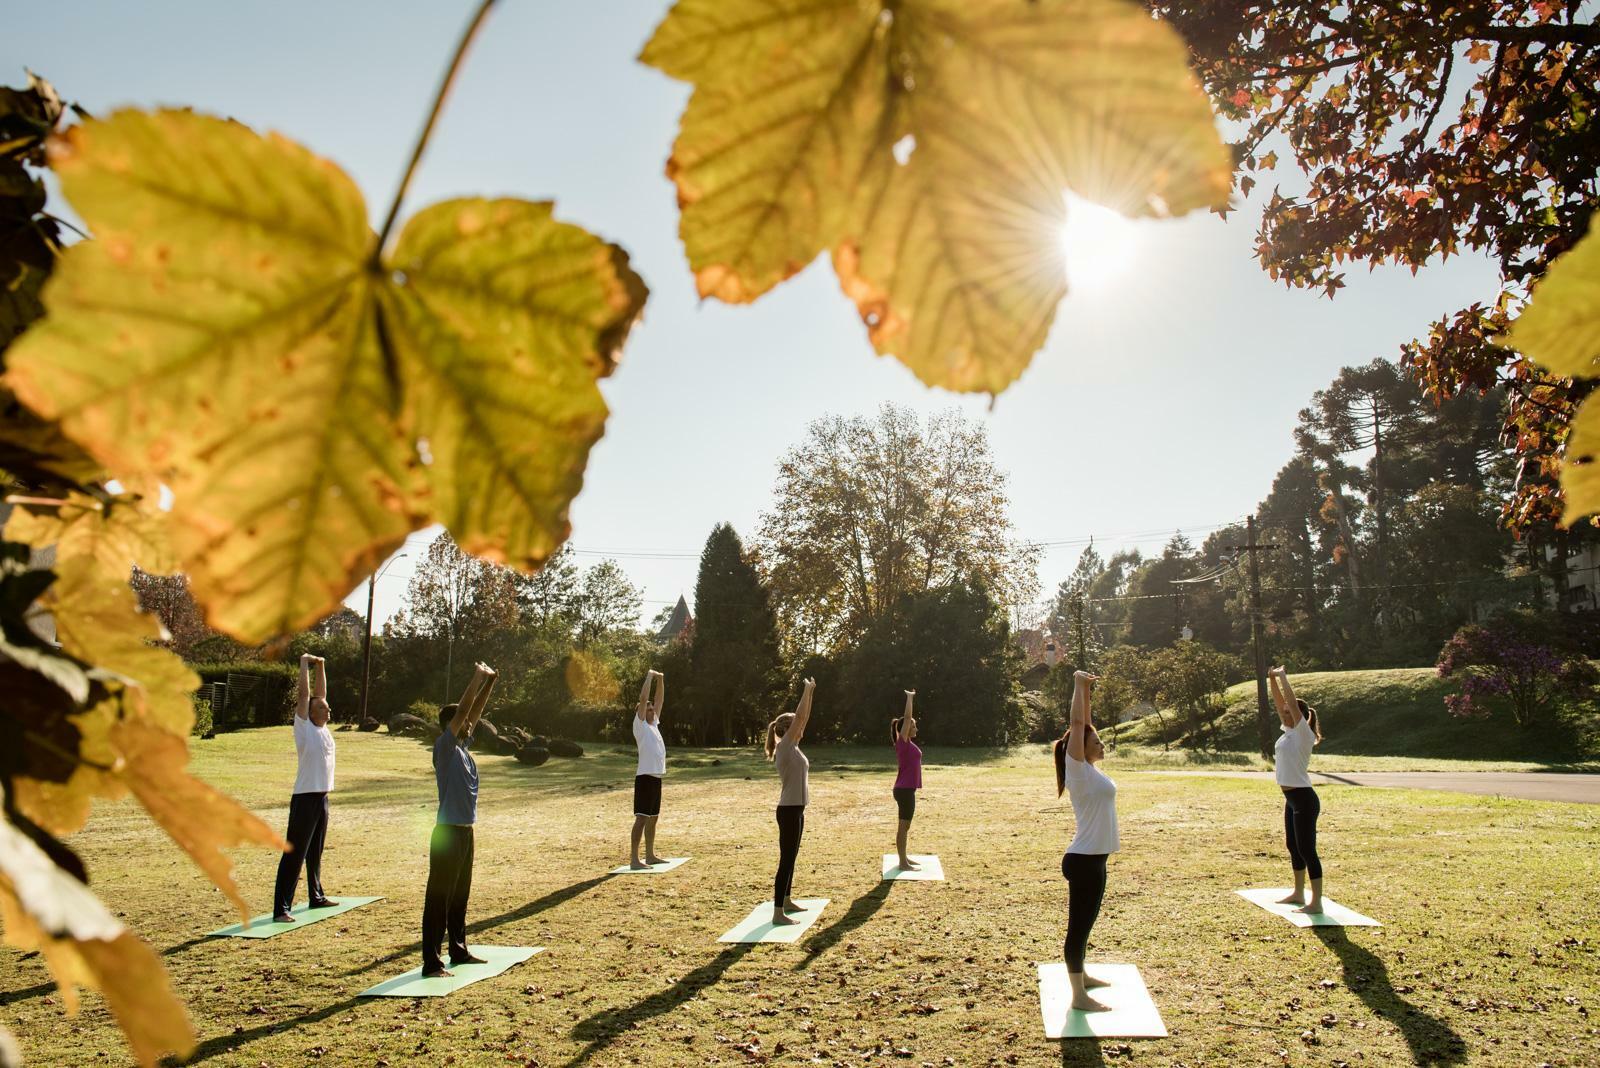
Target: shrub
[[1522, 656], [202, 717]]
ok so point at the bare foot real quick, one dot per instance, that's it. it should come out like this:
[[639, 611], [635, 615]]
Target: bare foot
[[1085, 1003], [780, 920], [653, 861], [1091, 983], [790, 906], [440, 972], [283, 917], [1292, 899], [634, 865], [1311, 908], [907, 864]]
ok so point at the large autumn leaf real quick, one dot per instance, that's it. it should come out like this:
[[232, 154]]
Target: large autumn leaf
[[232, 333], [927, 144], [116, 532], [45, 909], [1560, 329]]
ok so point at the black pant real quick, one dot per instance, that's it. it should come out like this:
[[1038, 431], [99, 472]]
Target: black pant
[[308, 830], [791, 825], [1086, 888], [1300, 810], [449, 885], [905, 798]]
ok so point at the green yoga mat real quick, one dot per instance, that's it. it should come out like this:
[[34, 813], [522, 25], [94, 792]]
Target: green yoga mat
[[1333, 914], [1131, 1013], [928, 868], [412, 985], [263, 927], [758, 926], [653, 869]]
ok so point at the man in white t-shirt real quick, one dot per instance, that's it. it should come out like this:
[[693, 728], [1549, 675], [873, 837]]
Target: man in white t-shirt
[[308, 808], [652, 766]]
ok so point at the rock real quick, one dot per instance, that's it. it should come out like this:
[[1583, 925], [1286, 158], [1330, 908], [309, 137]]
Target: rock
[[539, 740], [369, 725], [516, 735], [533, 755], [563, 748], [413, 727], [495, 739]]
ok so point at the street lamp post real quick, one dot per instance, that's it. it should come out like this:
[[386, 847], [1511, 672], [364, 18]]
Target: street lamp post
[[366, 646]]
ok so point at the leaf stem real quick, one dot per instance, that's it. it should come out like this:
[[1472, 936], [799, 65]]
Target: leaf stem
[[427, 128]]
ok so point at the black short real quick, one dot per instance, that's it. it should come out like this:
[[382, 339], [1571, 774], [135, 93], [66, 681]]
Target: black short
[[647, 795], [906, 798]]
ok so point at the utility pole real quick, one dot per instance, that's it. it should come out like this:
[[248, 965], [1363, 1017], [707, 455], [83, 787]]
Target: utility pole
[[1263, 716], [366, 645]]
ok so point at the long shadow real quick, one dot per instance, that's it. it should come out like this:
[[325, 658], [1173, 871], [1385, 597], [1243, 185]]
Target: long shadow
[[521, 912], [1339, 778], [859, 912], [1432, 1041], [211, 1047], [8, 997], [606, 1026], [1082, 1052]]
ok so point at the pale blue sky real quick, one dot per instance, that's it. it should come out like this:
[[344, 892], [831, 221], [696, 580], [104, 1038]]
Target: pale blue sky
[[1167, 401]]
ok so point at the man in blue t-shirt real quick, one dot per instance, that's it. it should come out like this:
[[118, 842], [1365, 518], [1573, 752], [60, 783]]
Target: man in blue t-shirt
[[450, 849]]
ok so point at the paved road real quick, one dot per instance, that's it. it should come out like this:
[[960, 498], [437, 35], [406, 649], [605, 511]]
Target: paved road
[[1533, 785]]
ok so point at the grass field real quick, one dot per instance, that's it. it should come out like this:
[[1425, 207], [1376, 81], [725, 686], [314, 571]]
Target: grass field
[[1488, 956], [1389, 720]]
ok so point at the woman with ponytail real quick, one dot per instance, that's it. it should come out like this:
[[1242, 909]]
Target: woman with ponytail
[[1094, 809], [1292, 768], [908, 781], [794, 774]]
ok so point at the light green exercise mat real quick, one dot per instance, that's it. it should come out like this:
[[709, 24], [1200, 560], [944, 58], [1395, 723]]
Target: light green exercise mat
[[1333, 914], [651, 869], [263, 927], [928, 868], [412, 985], [758, 926], [1130, 1011]]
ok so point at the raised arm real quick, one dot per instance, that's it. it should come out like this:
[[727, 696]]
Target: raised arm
[[319, 685], [643, 709], [1082, 715], [458, 723], [480, 700], [802, 713], [660, 698], [906, 720], [1291, 706], [302, 696]]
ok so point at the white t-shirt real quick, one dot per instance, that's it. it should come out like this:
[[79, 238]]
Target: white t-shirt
[[1291, 761], [652, 747], [314, 746], [1094, 807]]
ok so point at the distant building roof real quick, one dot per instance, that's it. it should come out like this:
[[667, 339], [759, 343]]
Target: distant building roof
[[679, 620]]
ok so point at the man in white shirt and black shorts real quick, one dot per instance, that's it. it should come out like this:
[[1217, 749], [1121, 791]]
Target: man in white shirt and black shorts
[[308, 807], [652, 766]]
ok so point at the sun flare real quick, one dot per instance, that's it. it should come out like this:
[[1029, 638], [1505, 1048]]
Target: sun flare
[[1099, 244]]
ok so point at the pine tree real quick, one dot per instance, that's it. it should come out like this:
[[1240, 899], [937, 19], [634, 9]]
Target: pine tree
[[1072, 619], [734, 662]]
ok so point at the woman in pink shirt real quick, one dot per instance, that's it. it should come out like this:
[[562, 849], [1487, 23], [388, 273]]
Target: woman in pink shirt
[[909, 781]]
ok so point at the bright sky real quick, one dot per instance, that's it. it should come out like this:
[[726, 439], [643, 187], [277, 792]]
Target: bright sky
[[1165, 398]]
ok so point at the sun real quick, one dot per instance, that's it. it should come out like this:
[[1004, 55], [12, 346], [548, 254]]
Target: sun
[[1099, 245]]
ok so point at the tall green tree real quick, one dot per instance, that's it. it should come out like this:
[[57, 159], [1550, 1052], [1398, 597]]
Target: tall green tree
[[734, 655], [1072, 616], [605, 601], [1157, 611]]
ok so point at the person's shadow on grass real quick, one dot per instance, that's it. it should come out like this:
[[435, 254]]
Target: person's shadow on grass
[[607, 1025], [521, 912], [1432, 1041], [861, 910], [1082, 1052]]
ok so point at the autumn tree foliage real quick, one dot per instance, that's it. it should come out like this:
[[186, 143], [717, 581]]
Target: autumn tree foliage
[[871, 510], [1518, 657], [1422, 130]]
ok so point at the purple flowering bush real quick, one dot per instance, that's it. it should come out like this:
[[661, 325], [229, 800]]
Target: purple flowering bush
[[1519, 656]]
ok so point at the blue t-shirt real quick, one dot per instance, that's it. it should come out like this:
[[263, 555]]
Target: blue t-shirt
[[456, 774]]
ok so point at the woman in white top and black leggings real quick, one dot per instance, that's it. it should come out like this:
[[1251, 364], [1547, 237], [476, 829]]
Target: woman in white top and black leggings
[[1094, 808], [794, 777], [1292, 769]]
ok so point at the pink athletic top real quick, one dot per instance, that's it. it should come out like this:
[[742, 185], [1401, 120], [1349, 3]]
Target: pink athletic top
[[910, 757]]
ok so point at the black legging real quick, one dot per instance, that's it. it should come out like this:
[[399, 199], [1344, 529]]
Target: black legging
[[1300, 809], [791, 825], [1086, 888]]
